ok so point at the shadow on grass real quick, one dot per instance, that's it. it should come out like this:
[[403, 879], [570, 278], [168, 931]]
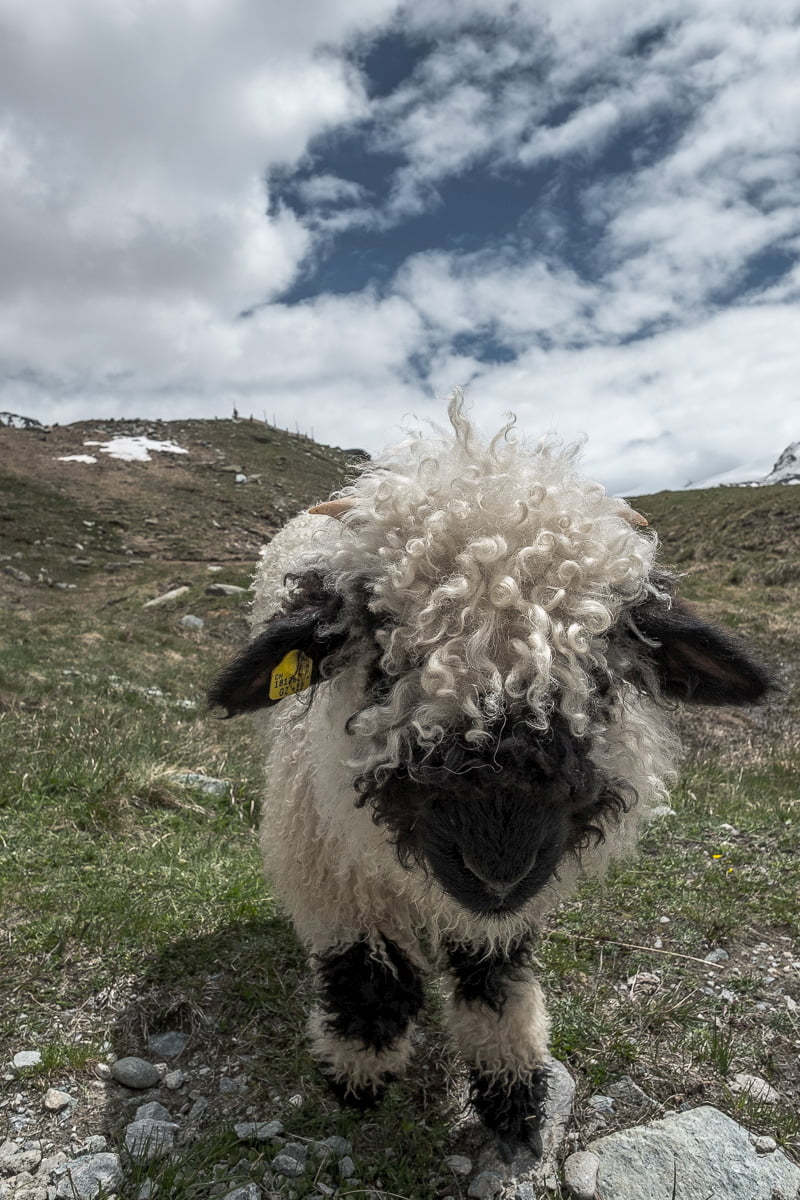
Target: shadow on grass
[[241, 995]]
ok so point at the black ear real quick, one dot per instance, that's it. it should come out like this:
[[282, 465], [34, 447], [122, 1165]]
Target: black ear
[[262, 674], [696, 661]]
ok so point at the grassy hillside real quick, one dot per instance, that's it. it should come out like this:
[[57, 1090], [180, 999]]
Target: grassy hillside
[[133, 903]]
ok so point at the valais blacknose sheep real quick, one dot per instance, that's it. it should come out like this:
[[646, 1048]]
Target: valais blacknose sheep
[[466, 661]]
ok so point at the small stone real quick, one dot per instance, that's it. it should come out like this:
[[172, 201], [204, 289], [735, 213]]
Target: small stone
[[662, 810], [174, 594], [628, 1092], [291, 1161], [55, 1100], [153, 1111], [148, 1190], [228, 1086], [764, 1145], [27, 1058], [756, 1088], [173, 1043], [250, 1191], [347, 1168], [580, 1174], [16, 1159], [485, 1186], [296, 1101], [102, 1071], [15, 573], [173, 1080], [52, 1163], [212, 787], [331, 1147], [147, 1140], [95, 1144], [226, 589], [716, 955], [192, 622], [459, 1164], [90, 1176], [258, 1131], [135, 1072], [600, 1103]]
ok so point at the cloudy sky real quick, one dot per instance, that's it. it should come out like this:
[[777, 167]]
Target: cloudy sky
[[330, 212]]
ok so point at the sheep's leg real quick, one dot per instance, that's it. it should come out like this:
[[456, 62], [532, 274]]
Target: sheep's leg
[[497, 1014], [370, 992]]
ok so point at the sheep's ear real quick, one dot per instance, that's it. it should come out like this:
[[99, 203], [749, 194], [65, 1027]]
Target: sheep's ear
[[283, 660], [699, 662]]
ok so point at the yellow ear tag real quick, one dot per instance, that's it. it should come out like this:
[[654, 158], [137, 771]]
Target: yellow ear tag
[[292, 675]]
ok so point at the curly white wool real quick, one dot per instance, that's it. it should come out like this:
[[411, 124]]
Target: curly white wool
[[499, 569]]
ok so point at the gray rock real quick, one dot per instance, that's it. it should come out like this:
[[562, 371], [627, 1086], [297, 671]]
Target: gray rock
[[174, 594], [226, 589], [15, 573], [347, 1168], [331, 1147], [580, 1174], [153, 1111], [53, 1161], [756, 1088], [459, 1164], [558, 1109], [135, 1072], [16, 1158], [192, 622], [250, 1191], [291, 1161], [90, 1176], [701, 1152], [717, 955], [55, 1100], [173, 1080], [171, 1044], [258, 1131], [94, 1144], [600, 1103], [764, 1145], [27, 1058], [147, 1140], [485, 1186], [206, 783], [628, 1092]]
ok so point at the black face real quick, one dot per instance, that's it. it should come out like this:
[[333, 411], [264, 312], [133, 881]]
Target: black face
[[492, 823]]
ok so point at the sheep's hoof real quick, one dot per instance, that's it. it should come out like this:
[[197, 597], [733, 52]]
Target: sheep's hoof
[[513, 1113], [509, 1148]]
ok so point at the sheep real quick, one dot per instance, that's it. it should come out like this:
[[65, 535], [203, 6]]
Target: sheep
[[464, 666]]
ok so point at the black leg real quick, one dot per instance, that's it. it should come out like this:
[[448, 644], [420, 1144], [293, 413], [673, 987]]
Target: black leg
[[498, 1016], [370, 992]]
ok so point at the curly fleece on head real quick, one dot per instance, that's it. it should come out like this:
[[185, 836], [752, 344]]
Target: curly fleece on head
[[497, 569]]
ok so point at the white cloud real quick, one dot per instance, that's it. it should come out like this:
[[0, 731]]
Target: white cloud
[[136, 220]]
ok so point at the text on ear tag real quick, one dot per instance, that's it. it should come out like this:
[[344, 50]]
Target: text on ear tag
[[292, 675]]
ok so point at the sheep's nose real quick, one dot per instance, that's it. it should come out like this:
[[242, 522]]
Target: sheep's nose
[[498, 887]]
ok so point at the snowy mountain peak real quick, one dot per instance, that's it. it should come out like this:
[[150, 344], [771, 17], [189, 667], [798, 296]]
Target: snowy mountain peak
[[787, 468]]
